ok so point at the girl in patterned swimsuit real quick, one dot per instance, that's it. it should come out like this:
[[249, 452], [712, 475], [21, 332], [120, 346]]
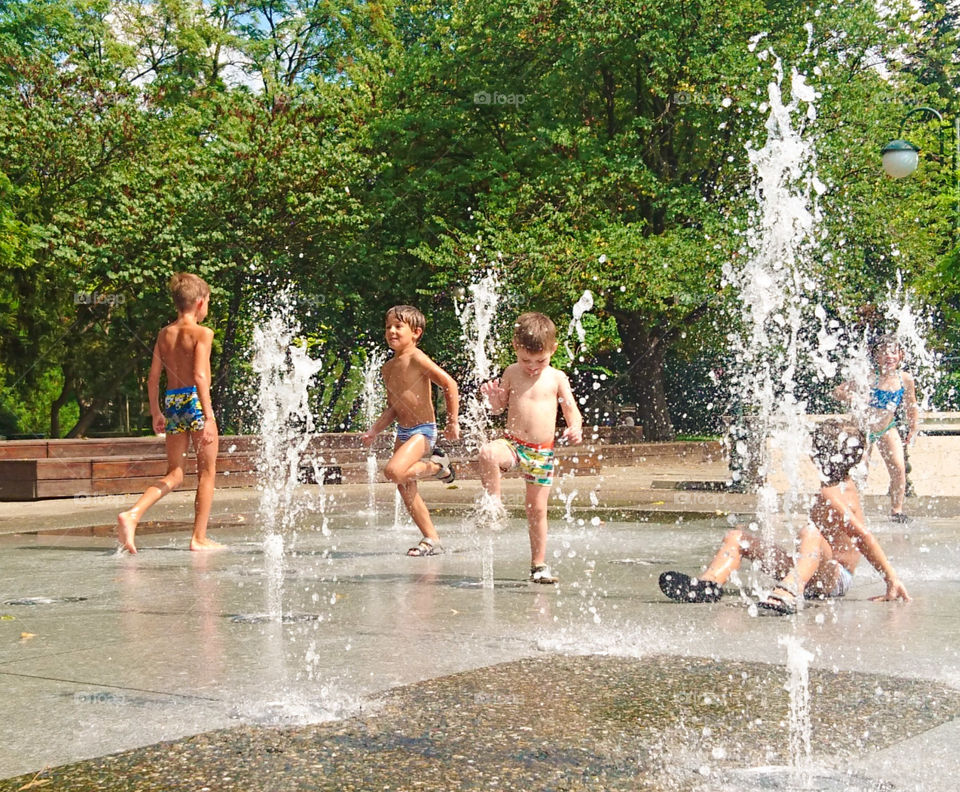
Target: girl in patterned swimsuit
[[891, 388]]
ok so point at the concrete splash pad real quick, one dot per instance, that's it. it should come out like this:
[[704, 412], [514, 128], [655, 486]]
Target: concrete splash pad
[[598, 683], [570, 723]]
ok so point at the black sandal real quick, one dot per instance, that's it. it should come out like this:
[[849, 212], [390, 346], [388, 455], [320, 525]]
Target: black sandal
[[683, 588], [425, 548], [783, 604], [446, 474]]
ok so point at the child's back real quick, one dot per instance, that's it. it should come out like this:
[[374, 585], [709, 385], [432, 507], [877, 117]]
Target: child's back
[[177, 346], [182, 352]]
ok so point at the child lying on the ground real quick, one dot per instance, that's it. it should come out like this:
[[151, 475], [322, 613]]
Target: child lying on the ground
[[829, 545]]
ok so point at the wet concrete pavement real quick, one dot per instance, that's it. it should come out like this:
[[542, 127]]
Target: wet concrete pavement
[[390, 672]]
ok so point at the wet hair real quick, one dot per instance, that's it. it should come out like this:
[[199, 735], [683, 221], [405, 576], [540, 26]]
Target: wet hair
[[535, 332], [837, 447], [883, 342], [409, 316], [186, 289]]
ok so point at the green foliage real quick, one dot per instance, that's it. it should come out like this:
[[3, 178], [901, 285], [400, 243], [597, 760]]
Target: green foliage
[[370, 153]]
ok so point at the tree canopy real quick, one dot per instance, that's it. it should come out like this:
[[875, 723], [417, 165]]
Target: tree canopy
[[363, 154]]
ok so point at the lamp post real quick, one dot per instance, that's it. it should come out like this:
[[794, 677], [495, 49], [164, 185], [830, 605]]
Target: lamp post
[[900, 158]]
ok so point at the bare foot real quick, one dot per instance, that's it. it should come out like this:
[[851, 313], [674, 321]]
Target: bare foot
[[126, 528], [206, 544]]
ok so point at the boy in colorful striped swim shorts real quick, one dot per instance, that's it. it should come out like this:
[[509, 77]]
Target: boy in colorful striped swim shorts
[[529, 391]]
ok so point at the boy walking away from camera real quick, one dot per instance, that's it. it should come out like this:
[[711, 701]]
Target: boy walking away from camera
[[182, 352]]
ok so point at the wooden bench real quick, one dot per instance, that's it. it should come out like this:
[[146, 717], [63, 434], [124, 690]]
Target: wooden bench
[[637, 453], [38, 469], [73, 468]]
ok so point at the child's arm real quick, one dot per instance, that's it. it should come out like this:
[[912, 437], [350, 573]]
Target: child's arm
[[201, 378], [911, 407], [868, 545], [387, 417], [153, 389], [451, 398], [571, 413], [845, 392]]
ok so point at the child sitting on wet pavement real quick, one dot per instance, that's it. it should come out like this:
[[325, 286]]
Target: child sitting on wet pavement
[[829, 546]]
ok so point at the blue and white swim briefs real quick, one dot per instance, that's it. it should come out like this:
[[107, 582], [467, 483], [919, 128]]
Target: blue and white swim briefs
[[428, 430]]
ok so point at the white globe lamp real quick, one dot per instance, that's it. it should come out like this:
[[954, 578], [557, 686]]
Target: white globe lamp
[[899, 158]]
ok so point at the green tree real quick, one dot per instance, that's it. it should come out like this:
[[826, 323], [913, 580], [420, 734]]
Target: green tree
[[602, 147], [126, 182]]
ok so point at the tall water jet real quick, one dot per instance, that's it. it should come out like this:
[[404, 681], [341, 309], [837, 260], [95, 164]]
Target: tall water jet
[[371, 399], [776, 291], [907, 321], [798, 688], [477, 331], [581, 307], [476, 318], [285, 373]]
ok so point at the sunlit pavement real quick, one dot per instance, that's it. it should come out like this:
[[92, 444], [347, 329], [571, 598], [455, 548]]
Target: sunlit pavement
[[103, 652]]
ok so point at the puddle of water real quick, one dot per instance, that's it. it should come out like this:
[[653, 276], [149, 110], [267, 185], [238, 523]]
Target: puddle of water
[[262, 618], [43, 600], [788, 779]]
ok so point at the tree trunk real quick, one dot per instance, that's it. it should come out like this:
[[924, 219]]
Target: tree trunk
[[646, 376], [338, 388], [87, 414], [646, 350], [90, 411], [59, 402]]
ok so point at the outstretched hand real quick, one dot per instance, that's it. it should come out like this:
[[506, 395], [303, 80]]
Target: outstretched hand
[[451, 431], [895, 591], [495, 395], [573, 435]]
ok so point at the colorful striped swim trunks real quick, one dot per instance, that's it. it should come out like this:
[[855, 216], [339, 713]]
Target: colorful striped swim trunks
[[536, 461]]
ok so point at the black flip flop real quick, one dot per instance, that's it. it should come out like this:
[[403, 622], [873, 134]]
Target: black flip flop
[[683, 588]]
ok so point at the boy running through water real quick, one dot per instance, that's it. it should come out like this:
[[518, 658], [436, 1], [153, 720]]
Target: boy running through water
[[408, 377], [529, 391], [182, 351]]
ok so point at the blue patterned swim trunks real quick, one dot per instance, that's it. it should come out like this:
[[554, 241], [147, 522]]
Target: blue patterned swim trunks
[[182, 409]]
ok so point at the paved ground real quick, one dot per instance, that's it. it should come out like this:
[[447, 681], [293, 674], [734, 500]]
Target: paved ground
[[344, 665]]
